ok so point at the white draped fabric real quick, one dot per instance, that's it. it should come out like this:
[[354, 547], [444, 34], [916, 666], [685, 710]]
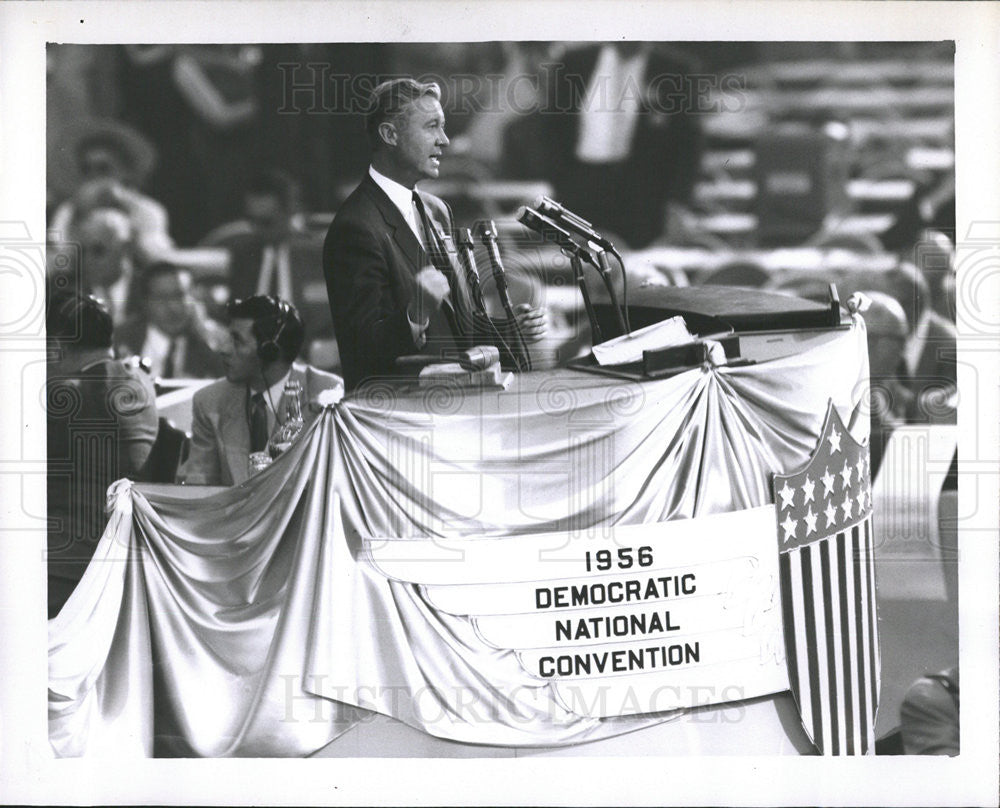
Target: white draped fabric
[[245, 622]]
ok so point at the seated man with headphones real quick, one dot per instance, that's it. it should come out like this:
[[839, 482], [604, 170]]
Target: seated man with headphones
[[236, 415]]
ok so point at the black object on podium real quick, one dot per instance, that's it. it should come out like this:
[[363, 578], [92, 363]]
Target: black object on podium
[[718, 313], [703, 308]]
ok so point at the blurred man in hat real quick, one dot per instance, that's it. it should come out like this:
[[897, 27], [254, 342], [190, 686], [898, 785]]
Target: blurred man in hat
[[110, 162]]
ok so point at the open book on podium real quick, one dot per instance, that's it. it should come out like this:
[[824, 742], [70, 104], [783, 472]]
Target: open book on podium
[[677, 328]]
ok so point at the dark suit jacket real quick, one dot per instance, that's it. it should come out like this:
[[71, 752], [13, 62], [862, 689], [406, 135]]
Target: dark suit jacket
[[200, 361], [370, 259], [663, 163]]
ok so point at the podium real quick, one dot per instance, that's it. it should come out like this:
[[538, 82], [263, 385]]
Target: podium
[[244, 604]]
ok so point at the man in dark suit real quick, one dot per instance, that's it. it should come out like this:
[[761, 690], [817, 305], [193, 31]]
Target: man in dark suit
[[273, 252], [178, 341], [237, 415], [393, 277], [622, 143], [260, 244]]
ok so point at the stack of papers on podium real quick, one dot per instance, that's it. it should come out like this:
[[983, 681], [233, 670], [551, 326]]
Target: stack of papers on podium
[[629, 347]]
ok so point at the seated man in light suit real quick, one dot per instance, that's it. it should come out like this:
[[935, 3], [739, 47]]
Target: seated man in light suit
[[236, 415]]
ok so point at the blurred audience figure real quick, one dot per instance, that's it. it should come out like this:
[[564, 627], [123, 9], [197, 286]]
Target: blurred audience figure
[[930, 353], [172, 333], [932, 205], [891, 397], [98, 259], [237, 415], [741, 272], [101, 426], [260, 244], [110, 163], [623, 144], [930, 716], [508, 96], [217, 83], [934, 256]]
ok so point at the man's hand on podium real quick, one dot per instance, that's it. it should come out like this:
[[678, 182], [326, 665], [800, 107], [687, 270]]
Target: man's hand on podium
[[532, 321]]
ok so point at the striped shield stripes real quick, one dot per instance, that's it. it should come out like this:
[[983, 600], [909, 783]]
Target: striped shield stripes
[[829, 607]]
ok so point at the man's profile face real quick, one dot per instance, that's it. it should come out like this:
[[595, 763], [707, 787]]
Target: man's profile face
[[239, 357], [168, 302], [421, 139]]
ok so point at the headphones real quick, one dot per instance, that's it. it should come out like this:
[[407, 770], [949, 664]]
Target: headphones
[[269, 350], [80, 318]]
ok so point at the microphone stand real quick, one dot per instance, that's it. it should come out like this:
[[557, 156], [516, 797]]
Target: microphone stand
[[584, 229], [521, 356], [605, 271], [595, 330], [465, 248], [465, 244]]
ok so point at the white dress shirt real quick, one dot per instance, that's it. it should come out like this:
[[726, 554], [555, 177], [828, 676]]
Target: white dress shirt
[[275, 262], [610, 108], [402, 198], [156, 348], [115, 296], [272, 400]]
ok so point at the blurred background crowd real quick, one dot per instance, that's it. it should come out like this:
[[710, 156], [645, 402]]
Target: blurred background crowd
[[181, 176], [775, 165]]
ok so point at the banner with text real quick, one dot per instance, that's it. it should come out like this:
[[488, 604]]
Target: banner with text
[[672, 614]]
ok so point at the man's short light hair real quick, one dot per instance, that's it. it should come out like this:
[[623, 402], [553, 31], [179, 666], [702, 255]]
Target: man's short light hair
[[389, 99]]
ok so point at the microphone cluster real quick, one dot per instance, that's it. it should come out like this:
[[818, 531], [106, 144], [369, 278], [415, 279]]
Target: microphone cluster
[[519, 354], [574, 235]]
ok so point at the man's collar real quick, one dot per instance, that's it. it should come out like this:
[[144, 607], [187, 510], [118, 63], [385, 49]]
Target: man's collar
[[161, 337], [401, 196], [274, 392], [82, 361]]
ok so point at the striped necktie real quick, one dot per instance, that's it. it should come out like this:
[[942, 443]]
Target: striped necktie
[[258, 423], [462, 324]]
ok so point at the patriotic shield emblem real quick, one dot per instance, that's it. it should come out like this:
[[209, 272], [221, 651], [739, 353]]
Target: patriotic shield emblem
[[827, 570]]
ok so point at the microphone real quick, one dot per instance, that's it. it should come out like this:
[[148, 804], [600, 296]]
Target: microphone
[[580, 226], [534, 220], [465, 246], [488, 235], [548, 228], [585, 229]]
